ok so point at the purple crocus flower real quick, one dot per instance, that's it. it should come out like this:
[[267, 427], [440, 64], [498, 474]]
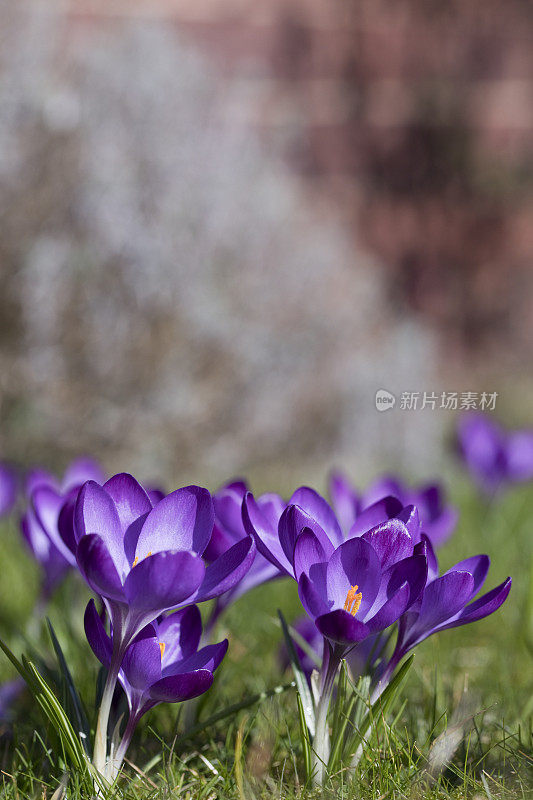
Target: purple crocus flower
[[8, 489], [494, 456], [144, 560], [352, 589], [47, 523], [437, 518], [446, 602], [229, 528], [162, 664], [362, 586]]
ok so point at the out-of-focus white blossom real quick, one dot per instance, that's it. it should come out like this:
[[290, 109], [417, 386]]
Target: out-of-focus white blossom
[[175, 302]]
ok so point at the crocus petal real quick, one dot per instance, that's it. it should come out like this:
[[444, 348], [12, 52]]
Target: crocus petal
[[485, 605], [373, 515], [96, 513], [344, 500], [443, 527], [239, 485], [341, 627], [141, 664], [313, 594], [482, 444], [66, 527], [410, 517], [309, 551], [129, 497], [96, 634], [443, 598], [386, 486], [227, 570], [391, 610], [227, 503], [292, 522], [82, 470], [477, 566], [35, 537], [319, 510], [48, 504], [180, 632], [413, 571], [354, 563], [219, 542], [410, 571], [162, 581], [183, 520], [265, 533], [271, 506], [429, 498], [154, 495], [184, 686], [208, 657], [391, 541], [98, 568], [40, 477], [425, 548], [520, 455]]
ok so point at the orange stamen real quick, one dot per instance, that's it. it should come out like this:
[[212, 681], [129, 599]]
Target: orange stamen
[[162, 646], [353, 600], [137, 559]]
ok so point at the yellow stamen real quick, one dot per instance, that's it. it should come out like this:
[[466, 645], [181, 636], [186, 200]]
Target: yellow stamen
[[162, 646], [137, 559], [353, 600]]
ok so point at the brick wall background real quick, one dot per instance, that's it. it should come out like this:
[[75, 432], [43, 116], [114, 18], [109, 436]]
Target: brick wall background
[[411, 120]]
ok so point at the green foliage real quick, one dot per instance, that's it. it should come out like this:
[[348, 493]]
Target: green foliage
[[460, 725]]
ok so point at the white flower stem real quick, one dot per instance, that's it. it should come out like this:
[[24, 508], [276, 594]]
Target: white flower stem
[[321, 742], [118, 757], [100, 739]]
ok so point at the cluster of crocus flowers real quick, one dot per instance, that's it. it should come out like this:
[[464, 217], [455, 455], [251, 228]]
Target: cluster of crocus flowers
[[364, 567], [354, 585], [144, 560], [494, 457]]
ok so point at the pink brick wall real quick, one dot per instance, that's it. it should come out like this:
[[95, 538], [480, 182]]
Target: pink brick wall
[[413, 119]]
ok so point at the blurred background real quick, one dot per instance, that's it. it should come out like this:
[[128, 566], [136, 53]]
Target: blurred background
[[225, 225]]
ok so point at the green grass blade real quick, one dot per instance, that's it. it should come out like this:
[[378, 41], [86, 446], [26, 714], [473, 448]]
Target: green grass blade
[[73, 704], [304, 737], [16, 663], [299, 676], [233, 709], [57, 716], [380, 707], [305, 646], [337, 727]]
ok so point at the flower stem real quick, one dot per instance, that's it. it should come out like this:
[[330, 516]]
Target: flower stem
[[100, 739], [118, 757], [387, 676], [321, 743]]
